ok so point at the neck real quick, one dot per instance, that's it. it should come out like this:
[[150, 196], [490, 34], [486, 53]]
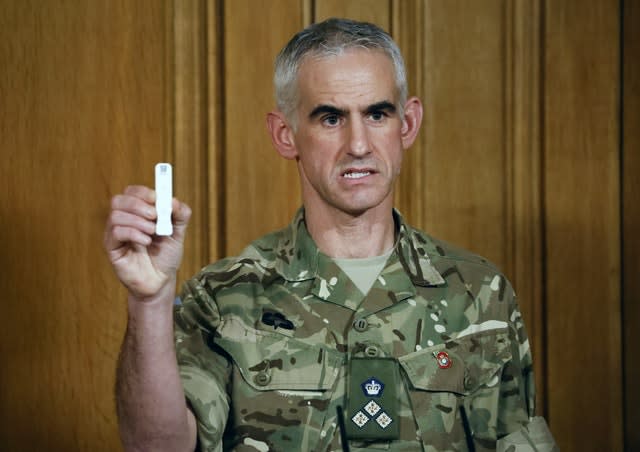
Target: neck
[[342, 235]]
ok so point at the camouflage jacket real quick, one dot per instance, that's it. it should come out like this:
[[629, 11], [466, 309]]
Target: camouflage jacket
[[264, 339]]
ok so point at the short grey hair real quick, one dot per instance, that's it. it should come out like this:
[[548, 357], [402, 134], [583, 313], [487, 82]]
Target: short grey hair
[[331, 37]]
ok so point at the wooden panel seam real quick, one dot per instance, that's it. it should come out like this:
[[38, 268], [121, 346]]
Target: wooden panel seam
[[190, 113], [630, 129], [215, 122], [523, 156], [407, 28]]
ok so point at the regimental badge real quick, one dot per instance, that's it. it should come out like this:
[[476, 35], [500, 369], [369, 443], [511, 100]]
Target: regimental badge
[[444, 362]]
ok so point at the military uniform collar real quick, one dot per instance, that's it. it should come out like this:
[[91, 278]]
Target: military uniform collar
[[298, 256]]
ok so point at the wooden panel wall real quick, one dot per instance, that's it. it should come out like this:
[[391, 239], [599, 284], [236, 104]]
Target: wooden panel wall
[[193, 94], [261, 190], [83, 113], [582, 223], [518, 160], [464, 95]]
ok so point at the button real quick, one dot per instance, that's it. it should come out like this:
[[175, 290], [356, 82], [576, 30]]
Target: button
[[262, 379], [371, 351], [360, 324], [469, 382]]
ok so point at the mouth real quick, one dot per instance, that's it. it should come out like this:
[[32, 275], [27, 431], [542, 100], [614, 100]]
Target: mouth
[[356, 174]]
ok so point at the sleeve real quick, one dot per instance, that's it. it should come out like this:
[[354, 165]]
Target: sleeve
[[525, 358], [517, 386], [204, 371], [534, 437], [524, 431]]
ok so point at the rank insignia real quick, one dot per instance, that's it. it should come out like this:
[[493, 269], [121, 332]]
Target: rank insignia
[[370, 411], [384, 420], [444, 362], [372, 401], [360, 419], [372, 408], [372, 387]]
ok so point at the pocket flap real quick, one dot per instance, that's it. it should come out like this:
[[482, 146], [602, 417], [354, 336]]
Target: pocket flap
[[475, 361], [271, 361]]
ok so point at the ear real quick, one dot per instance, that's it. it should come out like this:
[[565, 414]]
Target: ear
[[281, 135], [411, 121]]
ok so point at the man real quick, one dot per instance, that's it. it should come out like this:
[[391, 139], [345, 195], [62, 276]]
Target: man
[[349, 328]]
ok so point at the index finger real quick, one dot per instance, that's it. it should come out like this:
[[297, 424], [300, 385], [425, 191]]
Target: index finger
[[140, 191]]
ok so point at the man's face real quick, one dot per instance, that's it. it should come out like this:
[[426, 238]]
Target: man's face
[[348, 139]]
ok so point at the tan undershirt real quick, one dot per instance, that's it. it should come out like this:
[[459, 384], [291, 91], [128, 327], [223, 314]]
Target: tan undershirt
[[363, 271]]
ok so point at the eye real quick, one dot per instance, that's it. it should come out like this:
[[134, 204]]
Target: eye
[[331, 120], [377, 116]]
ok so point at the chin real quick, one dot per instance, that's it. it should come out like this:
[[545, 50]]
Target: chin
[[359, 208]]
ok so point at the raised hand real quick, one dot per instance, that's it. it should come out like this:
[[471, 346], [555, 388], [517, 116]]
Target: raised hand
[[144, 263]]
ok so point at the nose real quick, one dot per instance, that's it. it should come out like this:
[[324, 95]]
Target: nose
[[359, 144]]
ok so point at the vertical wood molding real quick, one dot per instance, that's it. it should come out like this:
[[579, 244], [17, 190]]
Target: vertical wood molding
[[460, 181], [215, 122], [408, 29], [631, 220], [192, 131], [523, 159], [261, 188], [307, 12]]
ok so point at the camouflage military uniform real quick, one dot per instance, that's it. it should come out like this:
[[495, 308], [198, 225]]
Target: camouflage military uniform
[[263, 342]]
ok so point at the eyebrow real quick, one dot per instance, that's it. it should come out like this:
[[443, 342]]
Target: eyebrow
[[323, 109], [384, 105]]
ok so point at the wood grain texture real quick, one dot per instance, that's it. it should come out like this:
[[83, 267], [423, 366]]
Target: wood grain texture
[[631, 221], [261, 189], [408, 30], [463, 128], [82, 115], [196, 123], [375, 11], [215, 129], [523, 172], [582, 220]]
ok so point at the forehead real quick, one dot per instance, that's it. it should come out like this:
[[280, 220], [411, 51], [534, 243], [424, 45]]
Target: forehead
[[360, 76]]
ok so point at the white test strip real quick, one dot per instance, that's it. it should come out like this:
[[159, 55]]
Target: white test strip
[[164, 196]]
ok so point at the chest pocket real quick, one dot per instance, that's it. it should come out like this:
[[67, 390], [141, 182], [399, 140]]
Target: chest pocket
[[470, 377], [280, 389]]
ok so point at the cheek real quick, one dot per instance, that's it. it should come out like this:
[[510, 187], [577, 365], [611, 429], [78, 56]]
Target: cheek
[[390, 147], [395, 165], [313, 164], [390, 135], [318, 152]]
